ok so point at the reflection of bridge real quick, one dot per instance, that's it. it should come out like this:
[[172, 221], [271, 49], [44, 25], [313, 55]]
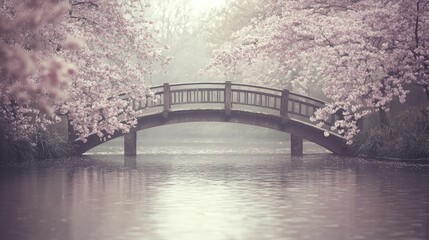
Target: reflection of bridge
[[230, 102]]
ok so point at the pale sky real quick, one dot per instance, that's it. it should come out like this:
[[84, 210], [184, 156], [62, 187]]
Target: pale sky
[[204, 5]]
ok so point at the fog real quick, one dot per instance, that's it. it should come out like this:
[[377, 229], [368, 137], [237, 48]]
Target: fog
[[183, 26]]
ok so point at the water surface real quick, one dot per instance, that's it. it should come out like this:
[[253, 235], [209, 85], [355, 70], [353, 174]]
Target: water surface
[[210, 194]]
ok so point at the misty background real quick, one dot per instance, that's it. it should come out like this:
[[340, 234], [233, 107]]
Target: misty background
[[188, 27]]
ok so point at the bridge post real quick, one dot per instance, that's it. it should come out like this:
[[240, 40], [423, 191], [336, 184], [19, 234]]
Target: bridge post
[[284, 106], [130, 144], [228, 98], [296, 145], [167, 100]]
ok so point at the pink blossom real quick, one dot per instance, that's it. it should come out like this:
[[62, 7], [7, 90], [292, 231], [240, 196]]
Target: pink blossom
[[361, 53]]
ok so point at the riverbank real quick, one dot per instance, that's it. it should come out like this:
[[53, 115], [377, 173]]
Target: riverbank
[[420, 161], [405, 138], [45, 145]]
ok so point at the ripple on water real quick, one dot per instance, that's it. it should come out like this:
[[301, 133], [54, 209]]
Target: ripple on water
[[214, 196]]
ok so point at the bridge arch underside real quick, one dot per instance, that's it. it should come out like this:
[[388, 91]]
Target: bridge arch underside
[[298, 128]]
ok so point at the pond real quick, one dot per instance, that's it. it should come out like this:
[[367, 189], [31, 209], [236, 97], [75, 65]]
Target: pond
[[207, 189]]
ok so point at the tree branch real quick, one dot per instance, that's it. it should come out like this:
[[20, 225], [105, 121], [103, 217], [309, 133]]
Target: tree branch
[[416, 30], [82, 18], [91, 4], [330, 43]]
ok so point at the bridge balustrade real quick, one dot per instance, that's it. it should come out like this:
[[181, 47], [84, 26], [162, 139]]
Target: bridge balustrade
[[235, 95]]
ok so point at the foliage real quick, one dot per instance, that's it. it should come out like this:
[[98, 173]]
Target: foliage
[[32, 77], [406, 137], [362, 53], [116, 57], [45, 145], [50, 144], [221, 28], [111, 46], [21, 151], [15, 151], [221, 24]]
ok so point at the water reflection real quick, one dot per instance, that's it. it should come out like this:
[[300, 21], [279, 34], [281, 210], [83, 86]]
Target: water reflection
[[214, 197], [130, 162], [297, 162]]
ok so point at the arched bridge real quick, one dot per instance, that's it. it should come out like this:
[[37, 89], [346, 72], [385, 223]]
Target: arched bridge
[[229, 102]]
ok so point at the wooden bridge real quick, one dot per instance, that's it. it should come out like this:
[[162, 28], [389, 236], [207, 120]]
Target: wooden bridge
[[229, 102]]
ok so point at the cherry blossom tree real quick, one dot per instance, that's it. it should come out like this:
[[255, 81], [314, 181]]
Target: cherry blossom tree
[[363, 53], [220, 24], [32, 78], [119, 49], [221, 27], [111, 46]]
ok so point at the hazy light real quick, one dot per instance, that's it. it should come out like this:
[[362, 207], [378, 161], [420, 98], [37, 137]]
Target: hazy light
[[200, 6]]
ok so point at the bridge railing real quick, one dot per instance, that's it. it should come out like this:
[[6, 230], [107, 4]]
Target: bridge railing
[[231, 95]]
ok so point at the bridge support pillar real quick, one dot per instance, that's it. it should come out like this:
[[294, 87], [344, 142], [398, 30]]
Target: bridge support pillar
[[296, 145], [228, 98], [130, 144]]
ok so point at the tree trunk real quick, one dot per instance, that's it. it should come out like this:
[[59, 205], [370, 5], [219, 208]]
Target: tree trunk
[[426, 88], [4, 151], [426, 110], [384, 120]]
